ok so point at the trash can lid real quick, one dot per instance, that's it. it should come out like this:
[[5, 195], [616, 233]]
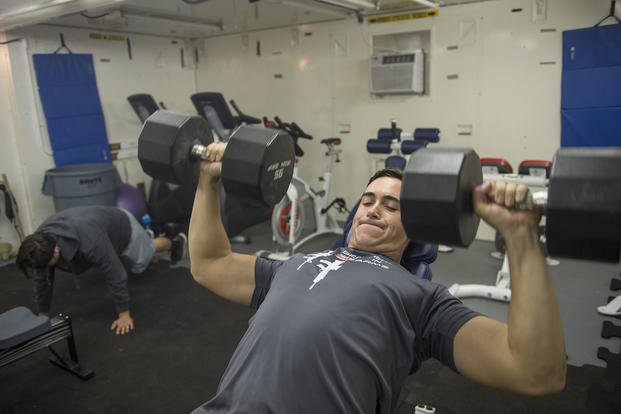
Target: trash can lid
[[80, 169]]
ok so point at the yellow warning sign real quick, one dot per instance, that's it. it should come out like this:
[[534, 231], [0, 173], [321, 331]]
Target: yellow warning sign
[[106, 36], [404, 16]]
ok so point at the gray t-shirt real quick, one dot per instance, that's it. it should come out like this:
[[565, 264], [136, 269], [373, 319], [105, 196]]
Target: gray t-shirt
[[336, 332]]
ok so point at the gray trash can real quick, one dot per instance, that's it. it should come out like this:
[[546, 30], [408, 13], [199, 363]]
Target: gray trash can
[[82, 185]]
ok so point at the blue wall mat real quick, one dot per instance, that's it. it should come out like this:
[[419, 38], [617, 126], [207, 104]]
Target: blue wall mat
[[70, 100], [593, 47], [589, 88], [598, 127], [76, 155], [68, 132]]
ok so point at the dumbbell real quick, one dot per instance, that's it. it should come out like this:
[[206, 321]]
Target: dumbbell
[[582, 203], [257, 163]]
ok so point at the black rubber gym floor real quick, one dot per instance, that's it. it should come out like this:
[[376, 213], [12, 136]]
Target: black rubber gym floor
[[182, 342]]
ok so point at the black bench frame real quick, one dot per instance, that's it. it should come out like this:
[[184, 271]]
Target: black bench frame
[[60, 329]]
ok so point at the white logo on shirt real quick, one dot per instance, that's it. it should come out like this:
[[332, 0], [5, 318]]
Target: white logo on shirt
[[309, 258], [325, 268]]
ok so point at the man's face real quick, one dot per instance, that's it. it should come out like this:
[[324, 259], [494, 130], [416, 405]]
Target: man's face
[[377, 224]]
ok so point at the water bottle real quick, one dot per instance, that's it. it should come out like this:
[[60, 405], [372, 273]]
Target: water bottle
[[146, 223]]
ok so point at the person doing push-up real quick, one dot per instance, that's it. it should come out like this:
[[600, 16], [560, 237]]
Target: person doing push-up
[[81, 238]]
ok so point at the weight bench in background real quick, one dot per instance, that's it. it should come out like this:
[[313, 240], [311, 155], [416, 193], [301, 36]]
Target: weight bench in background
[[23, 333]]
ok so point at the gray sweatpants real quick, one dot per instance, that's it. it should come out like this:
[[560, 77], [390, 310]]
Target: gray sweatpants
[[141, 247]]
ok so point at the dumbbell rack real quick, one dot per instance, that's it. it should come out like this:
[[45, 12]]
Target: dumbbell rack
[[605, 392]]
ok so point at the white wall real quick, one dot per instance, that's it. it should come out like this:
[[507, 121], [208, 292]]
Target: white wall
[[502, 90], [9, 157], [509, 98]]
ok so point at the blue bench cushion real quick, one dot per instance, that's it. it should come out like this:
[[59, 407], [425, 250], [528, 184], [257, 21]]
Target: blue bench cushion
[[19, 325], [379, 146]]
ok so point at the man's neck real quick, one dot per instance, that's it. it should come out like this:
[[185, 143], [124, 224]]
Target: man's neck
[[395, 256]]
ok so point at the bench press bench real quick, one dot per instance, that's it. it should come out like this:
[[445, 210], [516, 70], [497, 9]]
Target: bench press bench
[[22, 333]]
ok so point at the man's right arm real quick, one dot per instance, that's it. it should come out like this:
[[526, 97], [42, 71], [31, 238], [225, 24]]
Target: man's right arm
[[527, 354], [213, 263]]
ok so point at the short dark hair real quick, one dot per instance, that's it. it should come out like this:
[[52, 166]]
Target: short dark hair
[[35, 252], [386, 172]]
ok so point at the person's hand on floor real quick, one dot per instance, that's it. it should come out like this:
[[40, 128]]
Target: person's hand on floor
[[123, 324]]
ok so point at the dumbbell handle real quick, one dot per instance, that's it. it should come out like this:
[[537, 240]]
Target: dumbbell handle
[[529, 180], [199, 151], [538, 201]]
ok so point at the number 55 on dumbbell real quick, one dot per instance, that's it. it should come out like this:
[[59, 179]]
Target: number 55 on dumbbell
[[257, 163]]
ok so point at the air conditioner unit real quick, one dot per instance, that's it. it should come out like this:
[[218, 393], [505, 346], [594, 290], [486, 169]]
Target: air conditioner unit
[[401, 72]]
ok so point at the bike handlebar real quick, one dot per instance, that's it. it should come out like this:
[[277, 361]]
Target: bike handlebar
[[300, 132], [291, 128]]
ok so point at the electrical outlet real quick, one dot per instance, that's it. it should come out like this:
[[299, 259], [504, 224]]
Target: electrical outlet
[[464, 129]]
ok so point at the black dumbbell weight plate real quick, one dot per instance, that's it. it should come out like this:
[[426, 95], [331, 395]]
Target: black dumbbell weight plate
[[584, 204], [436, 196], [258, 164], [165, 143]]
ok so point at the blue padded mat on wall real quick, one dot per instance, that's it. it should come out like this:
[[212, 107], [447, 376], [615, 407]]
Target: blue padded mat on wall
[[597, 127], [591, 87], [593, 47], [70, 100]]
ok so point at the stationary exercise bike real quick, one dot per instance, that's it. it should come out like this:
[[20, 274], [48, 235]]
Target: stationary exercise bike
[[303, 214]]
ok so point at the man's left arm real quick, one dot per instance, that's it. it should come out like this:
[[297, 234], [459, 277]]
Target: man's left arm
[[526, 355], [105, 259]]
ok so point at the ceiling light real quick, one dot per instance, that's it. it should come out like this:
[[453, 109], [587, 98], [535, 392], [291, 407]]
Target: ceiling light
[[317, 9], [34, 7], [363, 3], [337, 4], [154, 15], [353, 5], [427, 3], [38, 13]]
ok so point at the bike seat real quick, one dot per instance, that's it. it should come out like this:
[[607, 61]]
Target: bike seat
[[331, 141]]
